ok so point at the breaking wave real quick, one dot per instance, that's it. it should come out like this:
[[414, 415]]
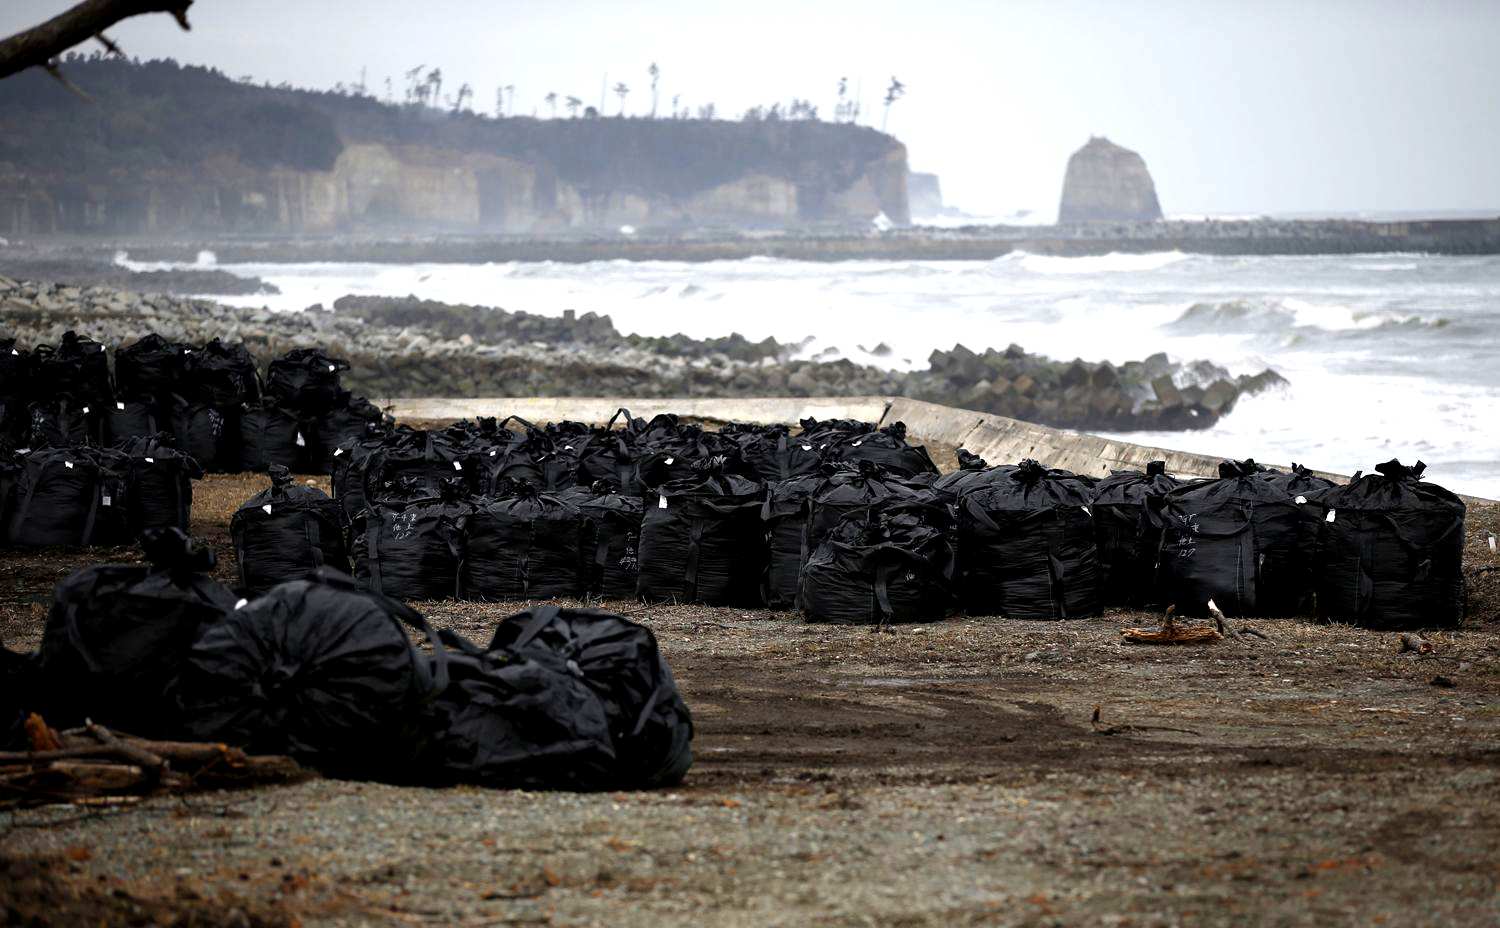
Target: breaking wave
[[1116, 262]]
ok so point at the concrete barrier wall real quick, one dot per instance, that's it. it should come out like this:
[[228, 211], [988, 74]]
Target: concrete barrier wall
[[599, 409]]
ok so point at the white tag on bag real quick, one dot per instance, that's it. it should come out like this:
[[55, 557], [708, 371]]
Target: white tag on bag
[[661, 502], [266, 508], [1329, 517], [301, 442]]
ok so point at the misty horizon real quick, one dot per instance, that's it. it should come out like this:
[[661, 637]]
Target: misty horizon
[[1332, 108]]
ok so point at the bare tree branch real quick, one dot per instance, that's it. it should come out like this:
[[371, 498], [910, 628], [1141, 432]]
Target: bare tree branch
[[39, 45]]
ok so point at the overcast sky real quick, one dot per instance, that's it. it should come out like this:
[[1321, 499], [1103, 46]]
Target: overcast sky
[[1249, 107]]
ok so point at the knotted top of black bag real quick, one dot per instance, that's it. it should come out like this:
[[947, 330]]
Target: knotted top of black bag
[[1032, 487], [1132, 487], [706, 479], [1239, 483], [1393, 486], [283, 491]]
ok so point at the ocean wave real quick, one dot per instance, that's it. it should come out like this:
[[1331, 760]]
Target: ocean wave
[[1300, 316], [206, 259], [1116, 262]]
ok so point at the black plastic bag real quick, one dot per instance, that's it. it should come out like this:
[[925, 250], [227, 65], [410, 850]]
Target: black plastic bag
[[286, 532], [610, 455], [612, 539], [785, 520], [1390, 551], [161, 484], [775, 456], [305, 380], [887, 449], [64, 423], [513, 721], [1238, 540], [271, 435], [1026, 547], [15, 373], [849, 488], [203, 432], [524, 545], [117, 635], [222, 375], [620, 660], [890, 562], [1127, 540], [411, 551], [151, 368], [973, 472], [701, 539], [321, 670], [77, 369], [127, 420], [351, 419], [70, 496]]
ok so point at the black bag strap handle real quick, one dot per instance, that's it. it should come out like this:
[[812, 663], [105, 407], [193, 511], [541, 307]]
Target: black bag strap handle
[[541, 617]]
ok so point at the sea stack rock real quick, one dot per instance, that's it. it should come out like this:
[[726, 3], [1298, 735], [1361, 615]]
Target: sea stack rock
[[1107, 183]]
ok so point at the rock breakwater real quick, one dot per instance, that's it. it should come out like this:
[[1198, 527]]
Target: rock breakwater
[[411, 347]]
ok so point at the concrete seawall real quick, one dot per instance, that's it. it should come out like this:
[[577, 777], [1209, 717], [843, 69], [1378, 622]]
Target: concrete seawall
[[995, 438]]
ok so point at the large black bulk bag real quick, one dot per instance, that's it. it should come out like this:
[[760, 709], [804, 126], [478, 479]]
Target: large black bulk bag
[[1239, 540], [613, 534], [785, 521], [777, 456], [1390, 551], [829, 432], [321, 670], [1126, 538], [411, 550], [700, 539], [887, 449], [1026, 547], [620, 661], [126, 420], [305, 379], [351, 419], [524, 545], [221, 375], [513, 721], [64, 422], [15, 370], [76, 369], [849, 488], [891, 562], [973, 472], [426, 457], [161, 484], [117, 635], [70, 496], [151, 368], [349, 463], [536, 459], [286, 532], [202, 431], [1306, 489], [270, 435]]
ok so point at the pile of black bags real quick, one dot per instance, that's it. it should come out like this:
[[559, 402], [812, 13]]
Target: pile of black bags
[[207, 401], [325, 671], [664, 511]]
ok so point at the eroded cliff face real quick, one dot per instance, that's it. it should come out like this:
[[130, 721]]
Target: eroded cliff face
[[381, 187]]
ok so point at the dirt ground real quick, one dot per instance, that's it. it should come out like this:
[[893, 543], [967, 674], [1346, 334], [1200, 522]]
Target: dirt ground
[[950, 774]]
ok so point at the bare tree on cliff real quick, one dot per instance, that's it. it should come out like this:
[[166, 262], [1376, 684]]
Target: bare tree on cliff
[[896, 91], [413, 82], [510, 99], [622, 91], [655, 73], [841, 109], [40, 46], [435, 85], [573, 104], [551, 99], [465, 94]]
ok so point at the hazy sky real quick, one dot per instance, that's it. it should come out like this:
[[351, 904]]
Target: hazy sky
[[1268, 106]]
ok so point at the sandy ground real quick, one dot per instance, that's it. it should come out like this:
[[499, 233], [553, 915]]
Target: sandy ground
[[949, 774]]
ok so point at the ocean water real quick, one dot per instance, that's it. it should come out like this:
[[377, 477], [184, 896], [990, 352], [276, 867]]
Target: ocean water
[[1388, 355]]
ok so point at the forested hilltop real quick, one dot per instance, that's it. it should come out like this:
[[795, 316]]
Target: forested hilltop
[[162, 147]]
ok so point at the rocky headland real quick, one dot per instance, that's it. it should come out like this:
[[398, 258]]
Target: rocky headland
[[411, 347]]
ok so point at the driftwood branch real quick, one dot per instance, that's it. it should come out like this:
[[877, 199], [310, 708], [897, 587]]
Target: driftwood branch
[[38, 46]]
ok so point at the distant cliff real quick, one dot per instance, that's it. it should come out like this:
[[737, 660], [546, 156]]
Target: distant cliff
[[169, 149], [1107, 183]]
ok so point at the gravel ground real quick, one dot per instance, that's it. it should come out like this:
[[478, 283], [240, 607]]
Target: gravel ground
[[949, 774]]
